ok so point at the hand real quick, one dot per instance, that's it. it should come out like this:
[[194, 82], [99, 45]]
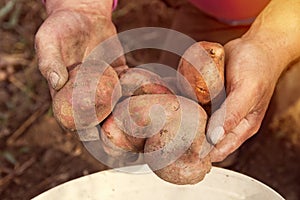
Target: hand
[[66, 38], [251, 75]]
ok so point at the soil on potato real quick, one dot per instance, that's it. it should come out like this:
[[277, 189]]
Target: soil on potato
[[36, 154]]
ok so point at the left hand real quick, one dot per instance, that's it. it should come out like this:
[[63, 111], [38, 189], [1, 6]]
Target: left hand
[[252, 71]]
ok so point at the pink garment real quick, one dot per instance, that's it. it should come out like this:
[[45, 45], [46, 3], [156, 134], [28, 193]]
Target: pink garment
[[115, 3], [231, 10], [114, 6]]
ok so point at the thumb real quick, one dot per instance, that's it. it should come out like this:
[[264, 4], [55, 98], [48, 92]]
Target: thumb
[[235, 107], [51, 63]]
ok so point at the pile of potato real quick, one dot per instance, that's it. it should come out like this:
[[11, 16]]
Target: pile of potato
[[139, 113]]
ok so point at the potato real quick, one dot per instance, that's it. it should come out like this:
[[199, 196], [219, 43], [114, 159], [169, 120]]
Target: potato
[[116, 142], [203, 67], [138, 81], [128, 126], [187, 168], [77, 95], [134, 81], [170, 131]]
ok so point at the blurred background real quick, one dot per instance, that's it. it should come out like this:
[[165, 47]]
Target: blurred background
[[36, 154]]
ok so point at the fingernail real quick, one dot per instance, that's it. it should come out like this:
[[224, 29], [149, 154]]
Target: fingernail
[[205, 149], [216, 135], [53, 78]]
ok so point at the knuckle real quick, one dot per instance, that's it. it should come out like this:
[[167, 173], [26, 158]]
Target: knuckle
[[253, 129], [254, 121], [220, 157], [45, 66], [36, 42], [37, 45], [232, 120], [39, 36]]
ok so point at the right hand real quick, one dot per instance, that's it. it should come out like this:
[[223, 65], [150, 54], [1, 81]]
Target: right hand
[[66, 38]]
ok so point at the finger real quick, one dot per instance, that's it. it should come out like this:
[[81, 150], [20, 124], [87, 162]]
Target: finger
[[235, 138], [236, 106], [50, 61]]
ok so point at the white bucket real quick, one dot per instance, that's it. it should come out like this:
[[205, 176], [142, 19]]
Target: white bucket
[[219, 184]]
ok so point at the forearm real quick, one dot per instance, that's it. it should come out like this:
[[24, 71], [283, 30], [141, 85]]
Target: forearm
[[98, 7], [277, 29]]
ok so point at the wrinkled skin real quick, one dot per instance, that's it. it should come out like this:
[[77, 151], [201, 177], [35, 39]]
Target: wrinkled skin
[[241, 114], [68, 46], [72, 42]]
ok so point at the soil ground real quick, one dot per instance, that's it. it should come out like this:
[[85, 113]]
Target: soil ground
[[36, 154]]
